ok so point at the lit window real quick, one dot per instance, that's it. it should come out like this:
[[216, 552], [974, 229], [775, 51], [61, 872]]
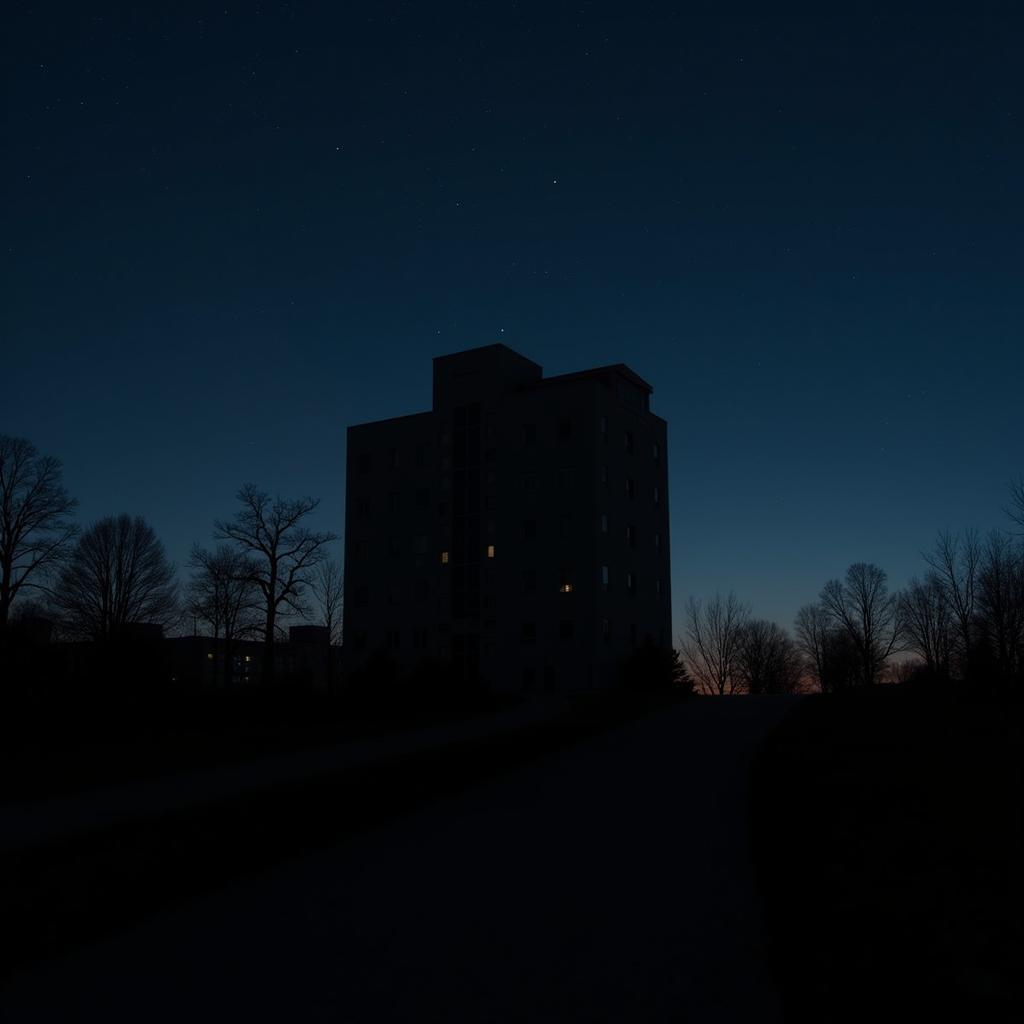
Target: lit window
[[604, 577], [444, 557], [248, 657], [565, 588], [209, 657], [490, 550]]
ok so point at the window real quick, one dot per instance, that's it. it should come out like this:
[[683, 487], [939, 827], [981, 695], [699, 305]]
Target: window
[[657, 495], [529, 433], [604, 522], [565, 479], [657, 586], [394, 547], [394, 501], [363, 464], [565, 581], [529, 632], [393, 458], [419, 544], [628, 440], [529, 529], [529, 581], [604, 475], [490, 550], [394, 594], [421, 455], [604, 577], [444, 557], [421, 591], [362, 596], [630, 487], [632, 633], [566, 629], [657, 541], [606, 630], [423, 499], [362, 550], [392, 640], [631, 536], [419, 639], [656, 451], [362, 508], [565, 428], [529, 679], [631, 582], [604, 427]]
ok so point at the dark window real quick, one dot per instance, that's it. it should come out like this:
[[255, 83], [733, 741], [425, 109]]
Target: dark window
[[529, 581], [604, 427], [394, 547], [529, 529], [529, 631], [657, 495], [359, 641], [604, 577], [565, 428], [421, 589], [656, 451], [362, 508], [363, 464], [657, 541], [628, 439], [606, 630], [529, 679], [392, 639], [632, 633], [393, 458], [362, 551], [630, 487], [419, 639], [529, 433], [565, 629], [631, 582], [421, 455], [394, 501], [423, 499], [362, 596], [631, 536]]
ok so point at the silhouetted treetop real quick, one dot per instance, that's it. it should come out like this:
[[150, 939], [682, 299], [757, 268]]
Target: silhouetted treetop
[[35, 528], [117, 574]]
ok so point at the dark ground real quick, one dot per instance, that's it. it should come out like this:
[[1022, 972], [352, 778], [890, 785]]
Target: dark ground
[[887, 839], [603, 880]]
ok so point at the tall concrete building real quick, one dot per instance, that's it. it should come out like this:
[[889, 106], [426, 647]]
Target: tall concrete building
[[518, 530]]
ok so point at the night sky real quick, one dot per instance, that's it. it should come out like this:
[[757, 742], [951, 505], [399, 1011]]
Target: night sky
[[230, 232]]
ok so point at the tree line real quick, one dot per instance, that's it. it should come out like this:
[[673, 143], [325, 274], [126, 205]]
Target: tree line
[[96, 583], [960, 623]]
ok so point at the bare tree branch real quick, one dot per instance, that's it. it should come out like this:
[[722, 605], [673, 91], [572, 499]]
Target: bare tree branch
[[35, 528]]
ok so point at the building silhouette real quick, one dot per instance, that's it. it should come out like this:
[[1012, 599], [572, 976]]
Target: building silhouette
[[517, 532]]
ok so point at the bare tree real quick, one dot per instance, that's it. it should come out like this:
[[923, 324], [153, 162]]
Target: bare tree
[[117, 574], [712, 644], [927, 623], [1000, 610], [813, 628], [35, 528], [862, 607], [1016, 507], [328, 589], [224, 596], [955, 562], [768, 660], [285, 554]]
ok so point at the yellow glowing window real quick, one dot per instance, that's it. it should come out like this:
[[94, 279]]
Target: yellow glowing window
[[209, 657], [248, 657], [490, 550], [566, 588], [444, 557]]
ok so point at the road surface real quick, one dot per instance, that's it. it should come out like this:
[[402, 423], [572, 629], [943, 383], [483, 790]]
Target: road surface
[[607, 882]]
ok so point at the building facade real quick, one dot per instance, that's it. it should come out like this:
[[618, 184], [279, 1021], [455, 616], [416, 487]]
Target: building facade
[[517, 531]]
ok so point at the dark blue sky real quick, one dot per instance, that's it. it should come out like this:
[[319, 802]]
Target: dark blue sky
[[231, 232]]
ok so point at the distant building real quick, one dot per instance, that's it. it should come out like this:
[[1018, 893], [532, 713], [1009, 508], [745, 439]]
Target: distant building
[[518, 530]]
